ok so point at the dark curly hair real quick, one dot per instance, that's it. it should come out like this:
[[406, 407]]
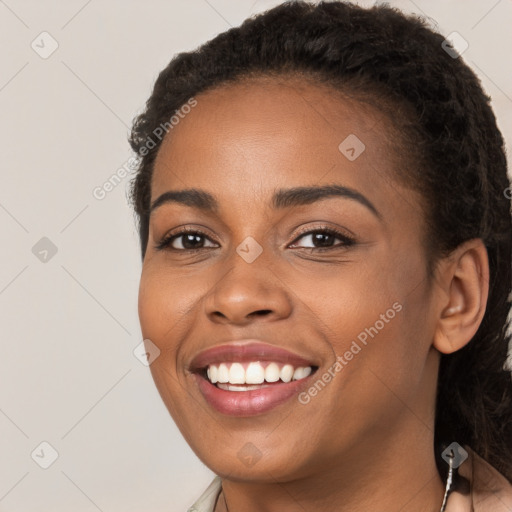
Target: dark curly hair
[[447, 130]]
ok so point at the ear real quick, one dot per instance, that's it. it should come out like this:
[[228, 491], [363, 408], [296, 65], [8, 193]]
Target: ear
[[464, 279]]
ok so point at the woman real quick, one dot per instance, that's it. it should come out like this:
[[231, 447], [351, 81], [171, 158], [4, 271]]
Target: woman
[[326, 242]]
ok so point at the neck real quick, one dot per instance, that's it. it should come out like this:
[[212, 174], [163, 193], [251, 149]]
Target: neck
[[401, 476]]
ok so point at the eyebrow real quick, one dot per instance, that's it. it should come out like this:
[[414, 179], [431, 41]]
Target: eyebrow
[[283, 198]]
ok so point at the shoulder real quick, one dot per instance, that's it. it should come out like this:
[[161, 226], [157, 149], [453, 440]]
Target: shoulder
[[490, 490]]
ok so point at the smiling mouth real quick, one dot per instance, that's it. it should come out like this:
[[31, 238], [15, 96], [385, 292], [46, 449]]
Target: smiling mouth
[[251, 375]]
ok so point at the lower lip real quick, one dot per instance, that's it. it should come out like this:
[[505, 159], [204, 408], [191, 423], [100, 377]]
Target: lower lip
[[249, 403]]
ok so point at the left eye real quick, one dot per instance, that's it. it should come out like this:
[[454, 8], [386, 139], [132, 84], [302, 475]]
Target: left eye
[[323, 239]]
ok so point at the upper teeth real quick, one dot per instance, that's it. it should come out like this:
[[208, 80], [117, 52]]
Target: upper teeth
[[255, 373]]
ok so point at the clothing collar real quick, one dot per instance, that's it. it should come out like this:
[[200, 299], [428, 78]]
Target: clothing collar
[[207, 500]]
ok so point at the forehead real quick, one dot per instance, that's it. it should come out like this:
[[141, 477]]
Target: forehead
[[264, 134]]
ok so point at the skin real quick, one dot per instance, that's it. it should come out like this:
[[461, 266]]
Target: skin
[[365, 441]]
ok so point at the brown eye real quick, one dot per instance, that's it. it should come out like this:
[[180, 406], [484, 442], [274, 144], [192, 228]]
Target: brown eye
[[324, 239], [186, 241]]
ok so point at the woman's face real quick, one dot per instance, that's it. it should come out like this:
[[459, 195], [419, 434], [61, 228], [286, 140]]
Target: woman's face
[[336, 280]]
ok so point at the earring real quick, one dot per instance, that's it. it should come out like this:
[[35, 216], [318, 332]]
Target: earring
[[448, 483]]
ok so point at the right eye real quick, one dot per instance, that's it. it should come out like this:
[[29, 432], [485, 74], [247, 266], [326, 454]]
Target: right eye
[[185, 240]]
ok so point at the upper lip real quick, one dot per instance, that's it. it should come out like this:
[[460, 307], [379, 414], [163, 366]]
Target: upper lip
[[246, 351]]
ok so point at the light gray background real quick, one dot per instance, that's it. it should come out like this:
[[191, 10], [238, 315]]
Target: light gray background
[[69, 325]]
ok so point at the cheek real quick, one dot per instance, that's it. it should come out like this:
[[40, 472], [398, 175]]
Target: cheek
[[151, 301], [372, 317], [164, 304]]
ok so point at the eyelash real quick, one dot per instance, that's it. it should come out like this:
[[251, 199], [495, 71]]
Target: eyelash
[[347, 241]]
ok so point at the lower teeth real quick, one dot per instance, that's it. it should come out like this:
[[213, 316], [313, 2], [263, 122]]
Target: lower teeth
[[231, 387]]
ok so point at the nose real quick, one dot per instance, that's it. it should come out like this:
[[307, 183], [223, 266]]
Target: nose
[[247, 292]]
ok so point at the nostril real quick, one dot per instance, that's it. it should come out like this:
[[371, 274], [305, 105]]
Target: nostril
[[261, 312]]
